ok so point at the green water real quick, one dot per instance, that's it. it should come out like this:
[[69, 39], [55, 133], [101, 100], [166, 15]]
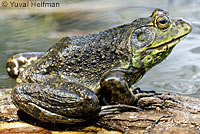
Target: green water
[[24, 30]]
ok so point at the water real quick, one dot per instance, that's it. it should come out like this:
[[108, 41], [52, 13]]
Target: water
[[36, 29]]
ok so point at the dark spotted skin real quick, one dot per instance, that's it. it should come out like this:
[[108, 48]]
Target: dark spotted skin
[[76, 77], [19, 62], [74, 70]]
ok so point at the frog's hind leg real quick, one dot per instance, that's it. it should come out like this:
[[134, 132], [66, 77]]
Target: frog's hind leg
[[47, 116], [71, 103], [17, 63]]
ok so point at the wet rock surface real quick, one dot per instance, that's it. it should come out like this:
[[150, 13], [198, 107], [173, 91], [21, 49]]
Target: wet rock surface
[[162, 113]]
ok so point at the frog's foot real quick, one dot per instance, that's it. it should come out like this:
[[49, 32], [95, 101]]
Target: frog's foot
[[136, 90], [19, 62], [57, 104], [114, 109]]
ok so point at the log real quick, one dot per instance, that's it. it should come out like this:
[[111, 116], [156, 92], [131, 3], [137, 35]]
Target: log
[[161, 113]]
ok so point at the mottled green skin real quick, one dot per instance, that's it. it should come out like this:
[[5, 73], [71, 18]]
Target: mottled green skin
[[76, 76]]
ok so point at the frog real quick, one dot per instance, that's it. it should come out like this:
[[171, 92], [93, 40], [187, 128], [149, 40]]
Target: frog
[[82, 75]]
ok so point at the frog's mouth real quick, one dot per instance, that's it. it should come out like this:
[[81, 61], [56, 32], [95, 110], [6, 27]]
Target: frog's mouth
[[169, 44]]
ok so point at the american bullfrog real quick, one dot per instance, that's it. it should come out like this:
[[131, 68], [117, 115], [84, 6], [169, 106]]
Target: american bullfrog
[[76, 77]]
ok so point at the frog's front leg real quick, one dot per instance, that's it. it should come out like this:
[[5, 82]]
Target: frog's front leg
[[69, 103], [115, 89], [17, 63]]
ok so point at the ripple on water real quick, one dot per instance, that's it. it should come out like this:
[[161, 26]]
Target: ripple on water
[[187, 81], [195, 50]]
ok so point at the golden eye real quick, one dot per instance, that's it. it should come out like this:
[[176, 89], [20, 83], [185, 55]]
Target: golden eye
[[162, 22]]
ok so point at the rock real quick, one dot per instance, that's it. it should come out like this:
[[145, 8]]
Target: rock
[[162, 113], [20, 127]]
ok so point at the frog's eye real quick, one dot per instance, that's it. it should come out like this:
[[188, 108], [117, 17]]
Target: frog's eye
[[162, 22], [142, 37]]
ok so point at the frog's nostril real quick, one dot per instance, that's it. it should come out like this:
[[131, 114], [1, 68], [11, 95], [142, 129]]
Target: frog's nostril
[[180, 20]]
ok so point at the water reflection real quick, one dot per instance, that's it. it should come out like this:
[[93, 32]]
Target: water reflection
[[23, 30]]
